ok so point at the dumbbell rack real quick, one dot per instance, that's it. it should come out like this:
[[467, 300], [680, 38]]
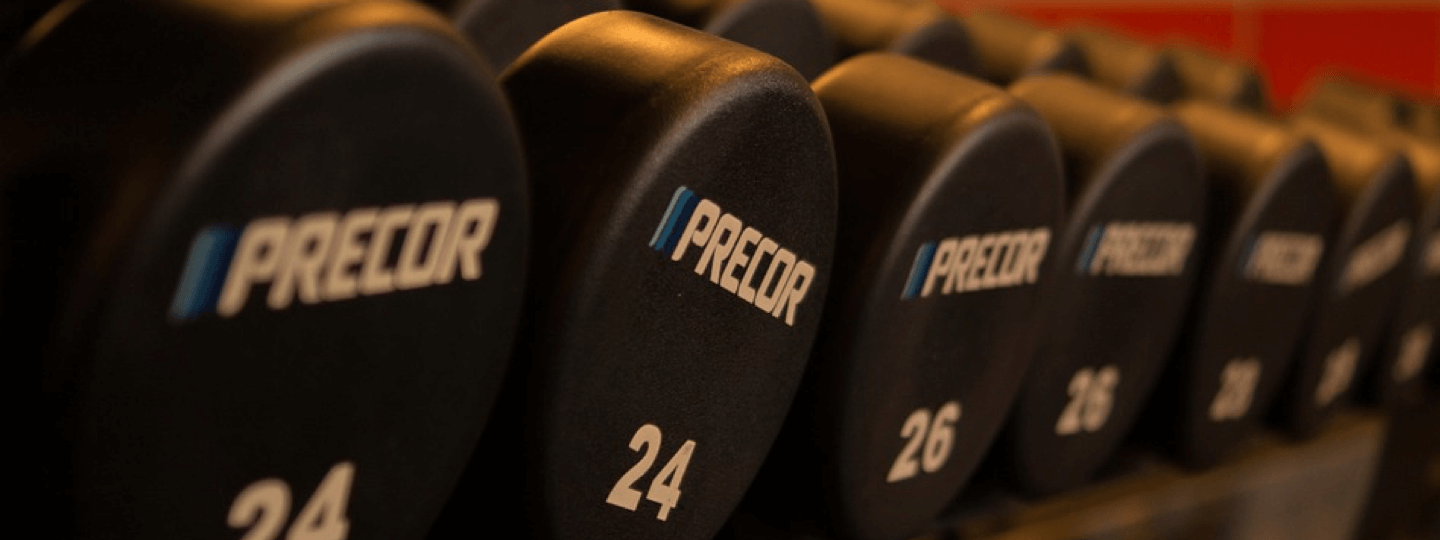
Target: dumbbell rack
[[1310, 486]]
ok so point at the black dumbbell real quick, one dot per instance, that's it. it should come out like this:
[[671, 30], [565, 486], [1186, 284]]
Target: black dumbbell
[[950, 193], [1414, 337], [1273, 211], [270, 256], [1361, 277], [684, 201], [1206, 76], [1121, 63], [1124, 271], [1008, 48], [916, 29], [503, 29], [786, 29]]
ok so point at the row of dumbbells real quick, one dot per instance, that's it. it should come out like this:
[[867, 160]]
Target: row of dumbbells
[[311, 269]]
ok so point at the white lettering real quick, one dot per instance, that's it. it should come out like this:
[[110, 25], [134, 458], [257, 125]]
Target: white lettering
[[1375, 256], [325, 257], [1147, 249], [988, 261], [1284, 258]]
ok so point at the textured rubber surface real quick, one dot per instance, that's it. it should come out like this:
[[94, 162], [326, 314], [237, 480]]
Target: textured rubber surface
[[218, 249]]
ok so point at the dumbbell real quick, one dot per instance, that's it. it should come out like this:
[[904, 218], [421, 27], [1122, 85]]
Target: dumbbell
[[1361, 277], [1121, 63], [1008, 48], [684, 201], [1123, 275], [1361, 105], [787, 29], [270, 257], [950, 193], [1411, 348], [1205, 76], [916, 29], [1272, 214], [503, 29]]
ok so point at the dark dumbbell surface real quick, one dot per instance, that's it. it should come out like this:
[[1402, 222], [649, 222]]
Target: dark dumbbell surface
[[1008, 48], [1273, 210], [1123, 269], [950, 192], [1206, 76], [1361, 277], [916, 29], [265, 301], [1123, 64], [1411, 348], [503, 29], [790, 30], [684, 190]]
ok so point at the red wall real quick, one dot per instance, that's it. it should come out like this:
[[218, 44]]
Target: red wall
[[1395, 43]]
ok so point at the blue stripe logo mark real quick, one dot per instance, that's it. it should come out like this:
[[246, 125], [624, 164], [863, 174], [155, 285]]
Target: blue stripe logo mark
[[205, 271], [672, 226], [1091, 244], [920, 271]]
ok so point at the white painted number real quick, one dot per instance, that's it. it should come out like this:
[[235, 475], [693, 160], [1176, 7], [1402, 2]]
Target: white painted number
[[1237, 389], [263, 506], [1339, 371], [1092, 396], [938, 440], [665, 488]]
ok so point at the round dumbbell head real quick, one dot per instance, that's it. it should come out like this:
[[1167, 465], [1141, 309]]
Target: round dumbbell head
[[950, 192], [1205, 76], [1412, 345], [1009, 48], [916, 29], [1123, 272], [1361, 276], [272, 254], [1272, 213], [790, 30], [1124, 64], [684, 190], [502, 29]]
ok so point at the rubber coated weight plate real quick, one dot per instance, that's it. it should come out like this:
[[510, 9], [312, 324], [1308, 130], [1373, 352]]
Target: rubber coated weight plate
[[685, 221], [1412, 345], [1009, 48], [1362, 277], [1123, 275], [1121, 63], [916, 29], [1205, 76], [502, 29], [282, 271], [787, 29], [950, 193], [1273, 210]]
